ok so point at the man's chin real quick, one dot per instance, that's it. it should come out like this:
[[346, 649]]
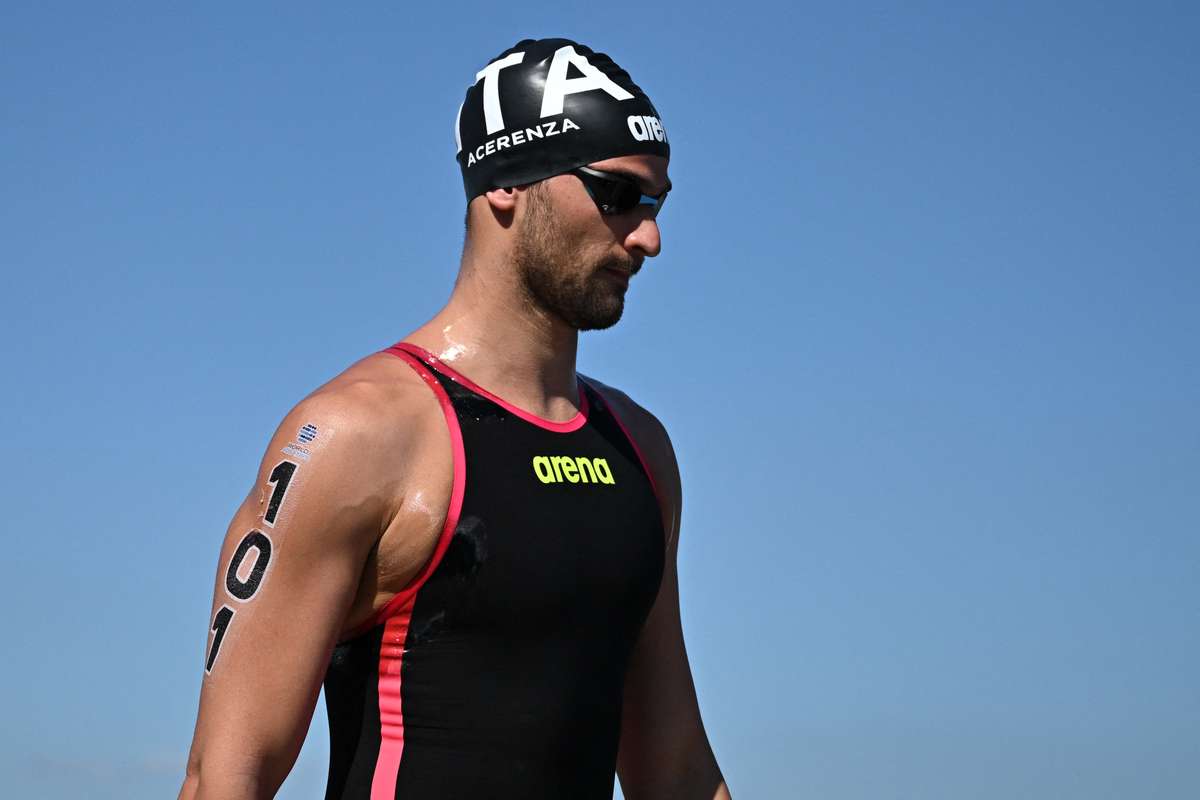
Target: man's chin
[[599, 322]]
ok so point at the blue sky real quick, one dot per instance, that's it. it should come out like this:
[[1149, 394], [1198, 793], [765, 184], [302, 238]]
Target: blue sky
[[924, 331]]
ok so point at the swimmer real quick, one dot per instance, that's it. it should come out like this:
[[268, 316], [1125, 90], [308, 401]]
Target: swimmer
[[470, 544]]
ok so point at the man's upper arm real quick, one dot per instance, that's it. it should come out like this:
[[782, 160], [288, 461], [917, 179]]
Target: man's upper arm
[[664, 750], [288, 571]]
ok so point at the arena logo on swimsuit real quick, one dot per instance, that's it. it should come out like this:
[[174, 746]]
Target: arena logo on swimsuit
[[575, 469]]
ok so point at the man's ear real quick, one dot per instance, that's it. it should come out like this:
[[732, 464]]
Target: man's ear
[[504, 200]]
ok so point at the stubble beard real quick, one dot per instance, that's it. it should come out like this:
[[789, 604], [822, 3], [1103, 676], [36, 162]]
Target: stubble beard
[[554, 280]]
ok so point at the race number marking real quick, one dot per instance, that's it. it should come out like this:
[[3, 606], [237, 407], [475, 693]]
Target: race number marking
[[220, 625], [238, 588], [280, 478]]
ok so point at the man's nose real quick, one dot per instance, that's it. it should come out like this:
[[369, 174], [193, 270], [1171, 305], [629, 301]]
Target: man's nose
[[645, 237]]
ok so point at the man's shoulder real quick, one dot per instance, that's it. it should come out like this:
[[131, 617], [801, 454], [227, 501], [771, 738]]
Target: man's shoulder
[[634, 415], [378, 400], [650, 437], [646, 430]]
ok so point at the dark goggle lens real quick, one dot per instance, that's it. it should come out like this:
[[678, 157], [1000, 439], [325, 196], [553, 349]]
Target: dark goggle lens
[[616, 195]]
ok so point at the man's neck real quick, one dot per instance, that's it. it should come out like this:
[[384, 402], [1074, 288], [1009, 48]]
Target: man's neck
[[499, 340]]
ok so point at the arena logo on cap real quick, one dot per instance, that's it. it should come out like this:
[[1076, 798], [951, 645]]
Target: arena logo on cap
[[645, 128]]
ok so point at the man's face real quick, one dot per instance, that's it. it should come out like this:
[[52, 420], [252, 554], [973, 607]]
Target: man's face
[[575, 262]]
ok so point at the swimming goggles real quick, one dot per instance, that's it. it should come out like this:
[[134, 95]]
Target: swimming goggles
[[617, 194]]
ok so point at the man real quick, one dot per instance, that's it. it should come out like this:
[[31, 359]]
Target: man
[[484, 578]]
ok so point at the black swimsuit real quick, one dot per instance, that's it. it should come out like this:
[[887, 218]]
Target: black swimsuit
[[498, 671]]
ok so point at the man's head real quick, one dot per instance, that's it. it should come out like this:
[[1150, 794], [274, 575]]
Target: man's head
[[564, 159]]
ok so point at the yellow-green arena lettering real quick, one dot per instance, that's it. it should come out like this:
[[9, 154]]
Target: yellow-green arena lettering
[[572, 469]]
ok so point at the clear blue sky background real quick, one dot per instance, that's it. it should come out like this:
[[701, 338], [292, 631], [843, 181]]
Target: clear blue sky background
[[925, 331]]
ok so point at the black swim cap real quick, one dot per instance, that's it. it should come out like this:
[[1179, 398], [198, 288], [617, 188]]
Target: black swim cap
[[545, 106]]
